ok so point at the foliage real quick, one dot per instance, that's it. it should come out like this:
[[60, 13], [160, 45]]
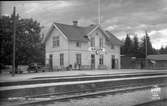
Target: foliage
[[6, 39], [134, 48], [28, 41], [163, 50], [127, 48]]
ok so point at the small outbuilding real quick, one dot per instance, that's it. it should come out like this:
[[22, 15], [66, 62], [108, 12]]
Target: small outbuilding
[[159, 61]]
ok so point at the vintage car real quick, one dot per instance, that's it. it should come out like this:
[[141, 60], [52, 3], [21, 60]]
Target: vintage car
[[36, 67]]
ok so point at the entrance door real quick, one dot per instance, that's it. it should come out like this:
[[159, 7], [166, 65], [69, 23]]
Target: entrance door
[[78, 60], [92, 61], [51, 62], [113, 62]]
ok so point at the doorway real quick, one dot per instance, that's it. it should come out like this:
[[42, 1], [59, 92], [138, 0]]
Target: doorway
[[51, 62], [113, 62], [92, 61]]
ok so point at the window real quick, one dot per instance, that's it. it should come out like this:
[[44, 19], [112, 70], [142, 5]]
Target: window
[[56, 41], [61, 59], [101, 42], [112, 46], [96, 33], [78, 58], [101, 59], [92, 42], [113, 56], [78, 44]]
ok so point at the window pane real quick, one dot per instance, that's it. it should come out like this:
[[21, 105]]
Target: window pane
[[101, 43], [112, 46], [56, 41], [92, 42], [78, 44]]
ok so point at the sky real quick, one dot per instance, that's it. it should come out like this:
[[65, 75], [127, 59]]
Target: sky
[[118, 16]]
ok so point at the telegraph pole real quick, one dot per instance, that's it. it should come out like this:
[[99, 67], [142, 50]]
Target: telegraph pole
[[99, 15], [146, 44], [14, 40], [146, 48]]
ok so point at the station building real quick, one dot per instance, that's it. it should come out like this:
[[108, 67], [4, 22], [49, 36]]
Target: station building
[[83, 47]]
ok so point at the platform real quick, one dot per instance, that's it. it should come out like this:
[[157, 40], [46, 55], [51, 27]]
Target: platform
[[27, 76]]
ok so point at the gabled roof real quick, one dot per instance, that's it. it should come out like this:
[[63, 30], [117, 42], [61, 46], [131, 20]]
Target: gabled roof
[[157, 57], [75, 33], [114, 39]]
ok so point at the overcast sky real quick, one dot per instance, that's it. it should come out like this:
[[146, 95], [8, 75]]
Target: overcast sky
[[118, 16]]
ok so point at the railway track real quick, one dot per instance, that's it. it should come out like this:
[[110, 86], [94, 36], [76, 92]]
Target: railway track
[[76, 95], [93, 88], [40, 80]]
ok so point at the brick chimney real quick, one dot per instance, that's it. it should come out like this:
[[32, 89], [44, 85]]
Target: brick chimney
[[75, 23]]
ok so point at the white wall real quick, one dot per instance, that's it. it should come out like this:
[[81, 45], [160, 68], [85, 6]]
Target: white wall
[[109, 52], [63, 48], [70, 50]]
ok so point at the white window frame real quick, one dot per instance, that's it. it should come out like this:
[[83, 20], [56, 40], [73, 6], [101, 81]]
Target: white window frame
[[112, 46], [78, 44], [101, 42], [92, 41], [56, 41]]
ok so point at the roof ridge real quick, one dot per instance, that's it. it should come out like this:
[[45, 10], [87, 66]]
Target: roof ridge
[[75, 26]]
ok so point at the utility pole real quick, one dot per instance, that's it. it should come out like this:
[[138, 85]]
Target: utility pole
[[146, 44], [146, 48], [99, 15], [14, 40]]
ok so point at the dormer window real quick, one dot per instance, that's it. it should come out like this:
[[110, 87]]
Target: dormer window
[[78, 44], [56, 41]]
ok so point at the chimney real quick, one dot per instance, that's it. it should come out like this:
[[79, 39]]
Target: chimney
[[75, 23]]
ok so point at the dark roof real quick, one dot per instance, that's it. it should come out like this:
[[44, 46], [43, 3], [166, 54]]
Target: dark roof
[[157, 57], [75, 33], [114, 39]]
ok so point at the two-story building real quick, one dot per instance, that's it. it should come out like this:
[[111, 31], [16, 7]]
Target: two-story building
[[84, 46]]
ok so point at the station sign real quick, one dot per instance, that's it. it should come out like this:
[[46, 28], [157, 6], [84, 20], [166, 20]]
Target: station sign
[[97, 50]]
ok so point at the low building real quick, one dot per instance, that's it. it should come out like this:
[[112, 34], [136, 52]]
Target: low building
[[76, 46], [158, 61]]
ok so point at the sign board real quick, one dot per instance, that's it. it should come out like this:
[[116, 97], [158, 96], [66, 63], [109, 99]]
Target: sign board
[[97, 50]]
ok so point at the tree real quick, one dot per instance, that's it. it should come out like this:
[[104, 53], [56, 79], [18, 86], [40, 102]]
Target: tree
[[142, 49], [135, 49], [127, 48], [163, 50], [28, 41], [6, 39]]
